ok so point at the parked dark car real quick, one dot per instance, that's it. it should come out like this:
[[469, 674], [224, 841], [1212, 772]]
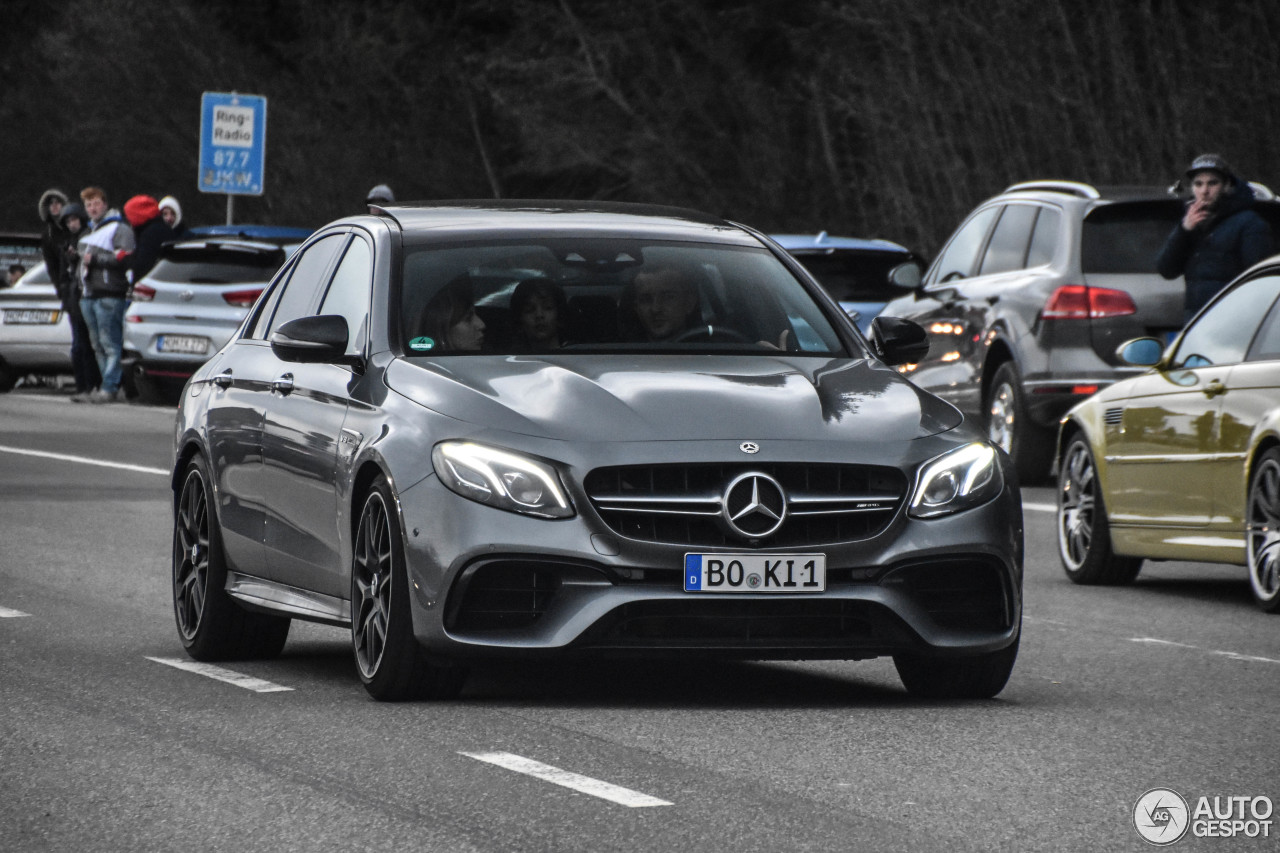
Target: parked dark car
[[854, 271], [375, 449], [1029, 299]]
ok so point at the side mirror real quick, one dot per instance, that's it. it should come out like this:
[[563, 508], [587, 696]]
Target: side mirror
[[898, 341], [1141, 352], [907, 275], [313, 340]]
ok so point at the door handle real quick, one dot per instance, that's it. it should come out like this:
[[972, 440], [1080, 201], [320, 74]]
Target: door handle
[[223, 379], [1214, 388], [284, 384]]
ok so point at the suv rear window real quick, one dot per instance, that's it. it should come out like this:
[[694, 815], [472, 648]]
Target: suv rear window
[[1126, 238], [217, 266]]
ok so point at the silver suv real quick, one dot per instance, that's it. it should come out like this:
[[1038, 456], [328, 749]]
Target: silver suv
[[1030, 297]]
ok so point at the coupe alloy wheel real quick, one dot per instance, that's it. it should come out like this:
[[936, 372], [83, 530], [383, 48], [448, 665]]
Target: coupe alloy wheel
[[1263, 532], [1076, 506]]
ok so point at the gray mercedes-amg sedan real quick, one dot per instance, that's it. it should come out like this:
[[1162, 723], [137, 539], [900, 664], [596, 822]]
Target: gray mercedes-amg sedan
[[479, 429]]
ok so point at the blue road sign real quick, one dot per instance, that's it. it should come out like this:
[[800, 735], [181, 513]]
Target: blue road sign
[[233, 143]]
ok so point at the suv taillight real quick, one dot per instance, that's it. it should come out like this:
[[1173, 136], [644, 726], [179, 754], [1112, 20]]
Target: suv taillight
[[1079, 302], [143, 293], [242, 298]]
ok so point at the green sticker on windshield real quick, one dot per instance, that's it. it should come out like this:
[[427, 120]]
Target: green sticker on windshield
[[423, 343]]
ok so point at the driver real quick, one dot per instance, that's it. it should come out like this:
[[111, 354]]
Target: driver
[[665, 302]]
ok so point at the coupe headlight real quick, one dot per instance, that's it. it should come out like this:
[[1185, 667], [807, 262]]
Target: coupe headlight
[[956, 481], [501, 479]]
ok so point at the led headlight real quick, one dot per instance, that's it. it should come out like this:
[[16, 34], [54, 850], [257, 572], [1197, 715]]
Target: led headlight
[[958, 480], [501, 479]]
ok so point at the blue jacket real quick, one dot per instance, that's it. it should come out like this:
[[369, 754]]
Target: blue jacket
[[1209, 257]]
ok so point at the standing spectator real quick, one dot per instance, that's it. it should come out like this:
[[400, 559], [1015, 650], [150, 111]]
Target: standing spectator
[[53, 234], [150, 233], [104, 259], [171, 213], [84, 366], [381, 194], [1219, 237]]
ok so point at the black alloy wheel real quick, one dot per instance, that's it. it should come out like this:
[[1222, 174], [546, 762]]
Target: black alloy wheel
[[211, 625], [1262, 532], [392, 664], [1084, 534]]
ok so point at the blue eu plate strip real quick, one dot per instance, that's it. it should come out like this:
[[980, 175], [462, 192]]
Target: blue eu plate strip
[[692, 571]]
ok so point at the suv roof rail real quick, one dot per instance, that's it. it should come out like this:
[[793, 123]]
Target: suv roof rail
[[1070, 187]]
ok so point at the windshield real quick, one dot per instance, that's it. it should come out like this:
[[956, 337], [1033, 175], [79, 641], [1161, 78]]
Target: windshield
[[577, 295]]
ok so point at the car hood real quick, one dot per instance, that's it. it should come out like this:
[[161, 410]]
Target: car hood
[[674, 398]]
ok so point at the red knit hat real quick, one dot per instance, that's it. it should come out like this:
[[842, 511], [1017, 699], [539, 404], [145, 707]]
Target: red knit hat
[[140, 209]]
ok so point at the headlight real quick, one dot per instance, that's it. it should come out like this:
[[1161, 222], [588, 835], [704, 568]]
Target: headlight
[[956, 481], [500, 479]]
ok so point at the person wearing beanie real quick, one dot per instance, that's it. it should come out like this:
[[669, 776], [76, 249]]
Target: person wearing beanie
[[84, 366], [1219, 236], [381, 194], [150, 232], [171, 213]]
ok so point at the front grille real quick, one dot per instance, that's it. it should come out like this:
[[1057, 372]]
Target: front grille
[[959, 594], [503, 595], [681, 504], [745, 624]]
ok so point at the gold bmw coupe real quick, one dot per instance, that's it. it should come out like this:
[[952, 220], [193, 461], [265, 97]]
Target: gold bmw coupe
[[1182, 462]]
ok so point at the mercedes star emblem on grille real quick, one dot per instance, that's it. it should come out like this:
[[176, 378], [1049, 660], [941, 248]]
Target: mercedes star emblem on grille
[[754, 505], [749, 447]]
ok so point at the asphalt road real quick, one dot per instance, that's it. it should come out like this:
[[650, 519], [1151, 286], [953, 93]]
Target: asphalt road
[[106, 746]]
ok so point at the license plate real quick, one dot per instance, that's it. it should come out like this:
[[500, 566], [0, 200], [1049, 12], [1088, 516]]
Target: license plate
[[183, 343], [31, 317], [772, 573]]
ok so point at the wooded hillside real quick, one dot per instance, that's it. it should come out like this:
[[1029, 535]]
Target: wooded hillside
[[866, 118]]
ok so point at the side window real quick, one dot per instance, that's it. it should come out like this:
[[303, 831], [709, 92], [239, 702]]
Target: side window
[[1044, 239], [1222, 334], [1266, 346], [958, 259], [349, 293], [267, 308], [1008, 247], [300, 290]]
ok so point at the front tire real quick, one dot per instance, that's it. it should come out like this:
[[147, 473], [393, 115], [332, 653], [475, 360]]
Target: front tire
[[211, 625], [392, 664], [1011, 428], [1084, 533], [1262, 532], [973, 677]]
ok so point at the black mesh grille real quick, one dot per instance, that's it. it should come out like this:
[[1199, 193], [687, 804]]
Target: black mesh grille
[[680, 504], [966, 595], [747, 623], [504, 595]]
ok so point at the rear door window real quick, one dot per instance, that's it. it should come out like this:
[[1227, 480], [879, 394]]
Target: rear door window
[[1007, 250]]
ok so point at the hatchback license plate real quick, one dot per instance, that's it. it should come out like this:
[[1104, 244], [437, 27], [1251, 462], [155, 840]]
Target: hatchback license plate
[[31, 317], [183, 343], [771, 573]]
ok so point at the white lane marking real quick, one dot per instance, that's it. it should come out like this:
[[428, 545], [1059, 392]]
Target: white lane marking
[[83, 460], [1039, 507], [1226, 654], [257, 685], [556, 776], [6, 613]]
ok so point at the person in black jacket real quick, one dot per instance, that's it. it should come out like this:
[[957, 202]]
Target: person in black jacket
[[149, 230], [1219, 237], [53, 235], [84, 364]]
